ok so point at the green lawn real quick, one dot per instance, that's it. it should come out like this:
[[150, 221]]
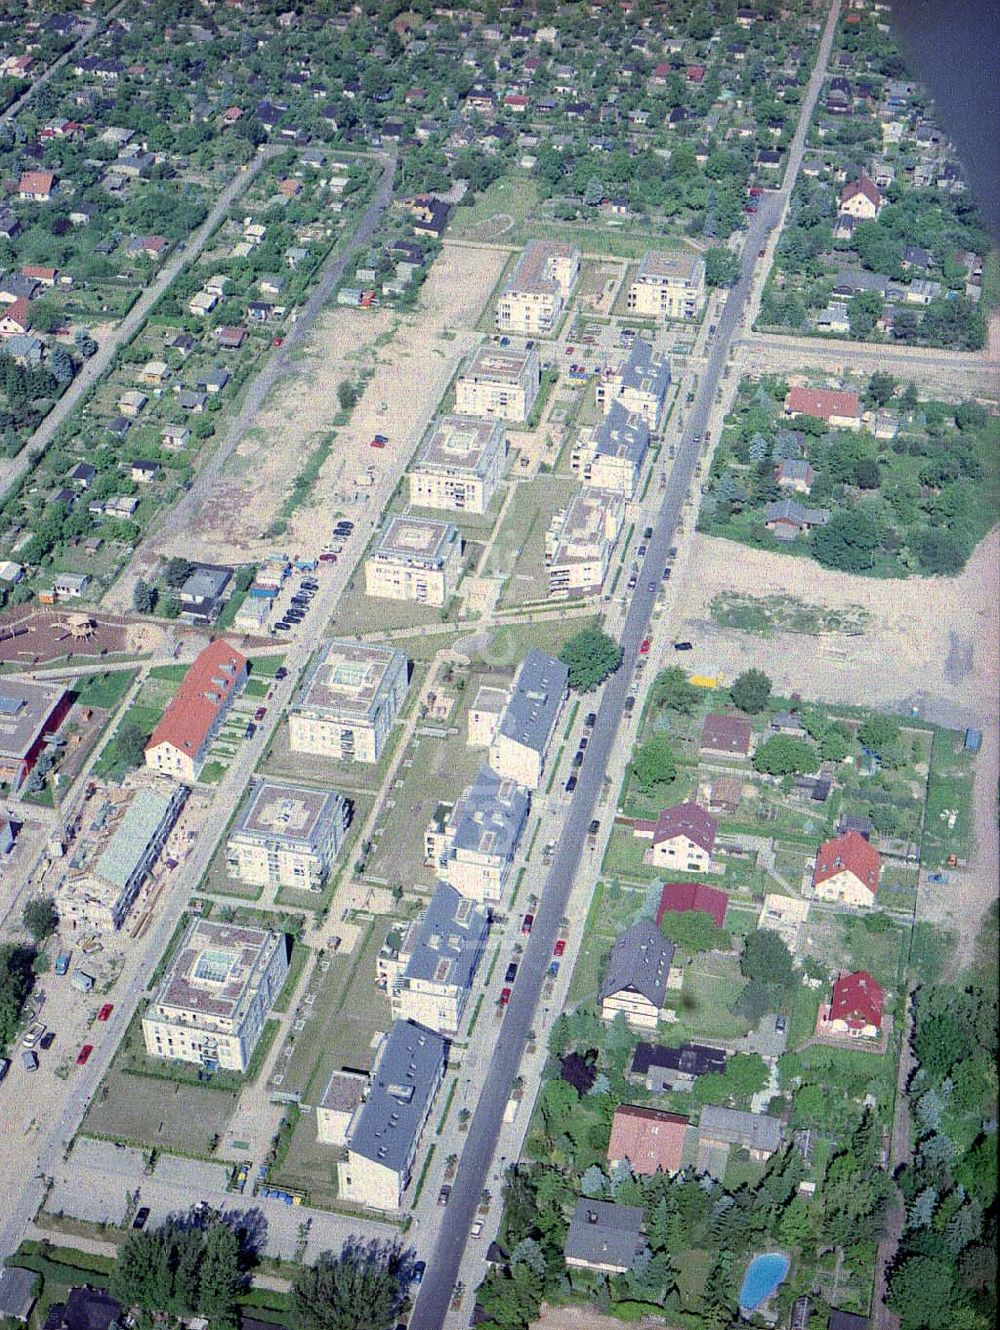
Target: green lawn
[[103, 690], [507, 200]]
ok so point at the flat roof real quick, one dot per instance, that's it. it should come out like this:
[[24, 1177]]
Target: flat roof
[[420, 541], [299, 816], [24, 711], [463, 444], [403, 1086], [142, 823], [350, 679], [344, 1091], [216, 969], [499, 364], [490, 699], [530, 272], [680, 265], [583, 532]]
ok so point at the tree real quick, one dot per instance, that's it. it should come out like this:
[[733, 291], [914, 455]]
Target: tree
[[848, 542], [751, 691], [881, 387], [16, 979], [347, 395], [672, 690], [924, 1293], [940, 552], [879, 732], [219, 1276], [40, 917], [177, 571], [143, 597], [594, 1182], [781, 755], [590, 657], [694, 931], [131, 743], [722, 266], [654, 764], [362, 1288], [594, 192], [766, 958], [864, 309], [970, 415], [61, 365]]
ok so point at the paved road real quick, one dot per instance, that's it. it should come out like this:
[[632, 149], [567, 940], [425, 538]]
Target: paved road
[[92, 369], [278, 366], [435, 1292]]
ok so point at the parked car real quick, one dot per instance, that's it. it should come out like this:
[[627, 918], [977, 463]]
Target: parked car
[[590, 720], [105, 1012], [527, 922], [560, 946], [666, 574], [260, 713], [504, 996], [277, 341], [571, 785], [683, 646], [583, 742], [444, 1194], [47, 1039], [553, 969], [141, 1216], [84, 1054], [375, 443], [594, 827], [281, 672], [648, 533], [629, 705], [30, 1059], [511, 973], [644, 647], [476, 1231], [578, 758], [327, 557], [4, 1067], [632, 581]]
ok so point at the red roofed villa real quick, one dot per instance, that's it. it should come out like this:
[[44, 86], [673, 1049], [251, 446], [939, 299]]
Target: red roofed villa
[[15, 318], [861, 198], [683, 838], [36, 186], [180, 743], [651, 1141], [47, 276], [855, 1007], [685, 897], [847, 870], [840, 410]]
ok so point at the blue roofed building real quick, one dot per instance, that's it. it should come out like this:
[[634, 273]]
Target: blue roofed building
[[523, 737], [383, 1137], [444, 952], [473, 843]]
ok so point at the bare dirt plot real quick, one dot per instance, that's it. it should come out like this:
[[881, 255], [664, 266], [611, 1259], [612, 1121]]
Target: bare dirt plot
[[927, 642], [38, 636], [411, 357]]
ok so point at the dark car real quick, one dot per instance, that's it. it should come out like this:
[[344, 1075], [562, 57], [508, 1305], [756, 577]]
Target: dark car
[[281, 672], [47, 1039], [591, 720], [578, 758], [666, 574], [141, 1216], [511, 973], [583, 742], [683, 646], [594, 828], [527, 922], [443, 1194], [648, 533], [418, 1271], [629, 703], [571, 785], [672, 552], [282, 626]]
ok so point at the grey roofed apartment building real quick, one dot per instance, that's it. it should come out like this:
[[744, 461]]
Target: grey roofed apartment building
[[474, 848], [382, 1139], [524, 733], [286, 835], [434, 986], [604, 1236], [348, 701], [613, 458], [640, 384]]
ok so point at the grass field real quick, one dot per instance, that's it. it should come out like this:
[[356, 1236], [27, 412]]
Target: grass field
[[157, 1113], [518, 554], [103, 690]]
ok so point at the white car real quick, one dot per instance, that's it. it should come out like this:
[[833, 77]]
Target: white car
[[476, 1231]]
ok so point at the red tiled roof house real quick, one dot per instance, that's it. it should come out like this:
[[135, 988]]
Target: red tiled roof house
[[683, 838], [180, 743], [683, 897], [840, 410], [648, 1140], [861, 198], [36, 186], [847, 870], [725, 733], [856, 1006]]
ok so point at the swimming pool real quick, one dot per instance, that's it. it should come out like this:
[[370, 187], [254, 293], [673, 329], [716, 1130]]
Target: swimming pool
[[764, 1274]]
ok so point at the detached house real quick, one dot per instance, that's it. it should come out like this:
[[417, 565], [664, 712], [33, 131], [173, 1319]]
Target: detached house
[[683, 838], [36, 186], [839, 410], [647, 1139], [635, 981], [15, 319], [847, 870], [861, 198], [855, 1007]]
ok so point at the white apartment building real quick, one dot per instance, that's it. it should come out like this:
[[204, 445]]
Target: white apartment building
[[434, 985], [472, 843], [640, 385], [538, 289], [580, 541], [519, 749], [211, 1004], [668, 286], [347, 702], [499, 382], [286, 835], [459, 465], [415, 559], [611, 456]]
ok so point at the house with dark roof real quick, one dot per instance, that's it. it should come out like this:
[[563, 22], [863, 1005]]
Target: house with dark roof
[[847, 871], [683, 838], [18, 1290], [847, 1320], [726, 733], [756, 1133], [685, 897], [85, 1309], [662, 1069], [604, 1237], [647, 1139], [635, 981], [443, 952], [788, 519]]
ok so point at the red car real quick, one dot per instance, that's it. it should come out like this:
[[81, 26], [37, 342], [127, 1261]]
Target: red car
[[375, 443], [84, 1054], [105, 1012], [327, 557], [505, 997], [644, 649], [755, 191], [560, 947], [570, 350], [278, 341], [260, 713], [527, 922]]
